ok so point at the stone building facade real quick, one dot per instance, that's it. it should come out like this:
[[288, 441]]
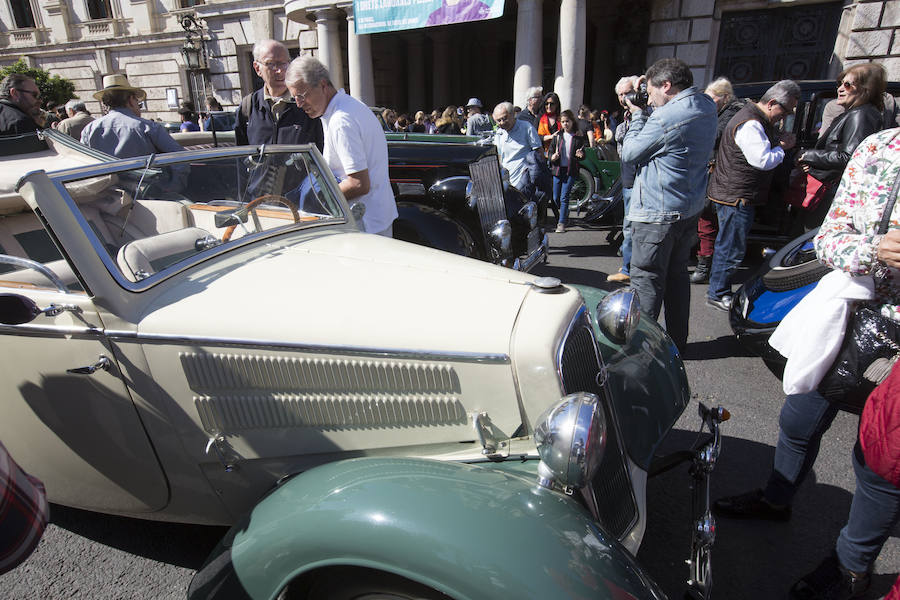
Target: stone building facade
[[579, 48]]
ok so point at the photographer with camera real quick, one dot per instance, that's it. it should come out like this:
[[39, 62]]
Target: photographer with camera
[[625, 87], [671, 150]]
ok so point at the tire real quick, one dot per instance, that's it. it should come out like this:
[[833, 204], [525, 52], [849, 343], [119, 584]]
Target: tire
[[368, 584], [582, 189], [795, 265]]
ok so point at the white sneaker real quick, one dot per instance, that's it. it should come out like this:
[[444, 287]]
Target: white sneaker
[[560, 228]]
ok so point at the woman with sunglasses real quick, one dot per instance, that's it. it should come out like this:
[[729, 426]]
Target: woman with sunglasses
[[549, 121], [860, 94]]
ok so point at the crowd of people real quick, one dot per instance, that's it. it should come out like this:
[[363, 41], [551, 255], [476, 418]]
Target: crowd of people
[[694, 165]]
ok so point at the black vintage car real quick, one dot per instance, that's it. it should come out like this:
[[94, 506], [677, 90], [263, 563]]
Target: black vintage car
[[451, 195]]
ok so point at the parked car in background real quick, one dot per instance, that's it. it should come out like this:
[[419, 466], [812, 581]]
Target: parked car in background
[[451, 195], [207, 337]]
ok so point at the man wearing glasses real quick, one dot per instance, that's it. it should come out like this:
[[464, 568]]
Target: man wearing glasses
[[20, 103], [269, 115], [750, 149]]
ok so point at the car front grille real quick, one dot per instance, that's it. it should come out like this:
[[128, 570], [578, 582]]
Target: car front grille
[[488, 189], [580, 364]]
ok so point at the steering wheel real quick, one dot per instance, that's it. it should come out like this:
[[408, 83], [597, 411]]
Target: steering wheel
[[270, 198]]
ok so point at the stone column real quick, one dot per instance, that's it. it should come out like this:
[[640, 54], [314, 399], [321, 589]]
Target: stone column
[[415, 73], [359, 58], [529, 49], [569, 81], [330, 44], [441, 69]]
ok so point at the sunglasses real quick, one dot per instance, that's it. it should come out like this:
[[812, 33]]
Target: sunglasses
[[846, 84]]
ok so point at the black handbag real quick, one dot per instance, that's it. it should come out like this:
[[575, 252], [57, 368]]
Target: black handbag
[[869, 349]]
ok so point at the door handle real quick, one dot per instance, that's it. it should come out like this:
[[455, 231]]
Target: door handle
[[102, 363]]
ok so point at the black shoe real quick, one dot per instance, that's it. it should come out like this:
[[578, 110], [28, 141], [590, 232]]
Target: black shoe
[[830, 581], [701, 273], [751, 505], [723, 303]]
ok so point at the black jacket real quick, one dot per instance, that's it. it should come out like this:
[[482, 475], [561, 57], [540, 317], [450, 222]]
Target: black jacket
[[556, 146], [833, 150], [255, 124], [14, 122]]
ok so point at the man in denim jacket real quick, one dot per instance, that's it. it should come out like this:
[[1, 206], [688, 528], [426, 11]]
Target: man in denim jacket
[[671, 149]]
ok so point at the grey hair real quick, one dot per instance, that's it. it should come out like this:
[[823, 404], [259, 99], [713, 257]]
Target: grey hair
[[721, 87], [76, 106], [508, 107], [782, 92], [308, 70], [261, 46], [534, 92], [621, 83]]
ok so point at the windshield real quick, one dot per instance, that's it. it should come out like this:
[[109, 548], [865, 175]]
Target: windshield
[[152, 217]]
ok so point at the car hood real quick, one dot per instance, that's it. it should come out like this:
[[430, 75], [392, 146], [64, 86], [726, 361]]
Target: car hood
[[344, 289]]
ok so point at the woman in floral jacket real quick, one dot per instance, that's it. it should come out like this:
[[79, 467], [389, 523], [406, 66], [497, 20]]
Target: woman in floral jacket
[[848, 241]]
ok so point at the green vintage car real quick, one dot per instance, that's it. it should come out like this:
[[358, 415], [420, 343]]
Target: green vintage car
[[371, 416]]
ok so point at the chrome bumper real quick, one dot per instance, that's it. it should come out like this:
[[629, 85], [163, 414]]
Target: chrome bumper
[[703, 533], [534, 257]]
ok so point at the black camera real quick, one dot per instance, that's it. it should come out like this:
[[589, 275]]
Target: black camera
[[639, 96]]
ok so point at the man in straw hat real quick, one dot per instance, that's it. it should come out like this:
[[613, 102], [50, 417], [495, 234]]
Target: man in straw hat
[[122, 132]]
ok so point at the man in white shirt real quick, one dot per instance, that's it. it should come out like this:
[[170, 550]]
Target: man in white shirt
[[355, 146], [750, 149], [515, 140]]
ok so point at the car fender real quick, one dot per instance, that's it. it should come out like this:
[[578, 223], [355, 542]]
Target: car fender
[[468, 531], [647, 382], [427, 226]]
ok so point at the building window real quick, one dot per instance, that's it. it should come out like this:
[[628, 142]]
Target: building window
[[98, 9], [22, 14], [190, 3]]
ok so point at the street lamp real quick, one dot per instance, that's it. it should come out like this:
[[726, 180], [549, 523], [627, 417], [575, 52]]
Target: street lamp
[[193, 53]]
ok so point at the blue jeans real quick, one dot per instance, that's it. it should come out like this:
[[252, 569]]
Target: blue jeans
[[873, 514], [626, 233], [562, 185], [659, 259], [731, 244], [804, 420]]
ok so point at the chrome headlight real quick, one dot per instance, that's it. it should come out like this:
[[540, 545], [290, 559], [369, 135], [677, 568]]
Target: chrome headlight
[[529, 214], [619, 314], [501, 237], [570, 437], [471, 198]]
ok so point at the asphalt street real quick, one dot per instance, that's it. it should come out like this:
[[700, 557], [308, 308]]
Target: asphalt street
[[87, 555]]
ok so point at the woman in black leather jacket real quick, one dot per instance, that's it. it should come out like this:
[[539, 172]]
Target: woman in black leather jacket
[[860, 93]]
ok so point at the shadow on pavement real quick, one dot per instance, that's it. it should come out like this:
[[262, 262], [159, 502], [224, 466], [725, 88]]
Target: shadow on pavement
[[722, 347], [751, 559], [177, 544]]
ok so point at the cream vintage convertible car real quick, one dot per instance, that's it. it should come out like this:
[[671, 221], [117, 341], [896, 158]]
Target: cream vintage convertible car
[[207, 337]]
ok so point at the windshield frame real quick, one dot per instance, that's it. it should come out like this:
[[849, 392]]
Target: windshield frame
[[59, 179]]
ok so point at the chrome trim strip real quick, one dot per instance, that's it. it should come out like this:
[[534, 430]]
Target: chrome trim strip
[[29, 329], [411, 354]]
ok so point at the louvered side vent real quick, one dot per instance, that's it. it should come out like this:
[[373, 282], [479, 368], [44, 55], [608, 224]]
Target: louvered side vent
[[617, 506], [242, 392], [488, 188]]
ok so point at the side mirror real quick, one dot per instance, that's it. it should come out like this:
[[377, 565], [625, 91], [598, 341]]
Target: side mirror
[[16, 309]]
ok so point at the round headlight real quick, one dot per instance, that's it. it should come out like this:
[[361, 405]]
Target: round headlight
[[570, 437], [619, 314], [529, 214], [501, 237]]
